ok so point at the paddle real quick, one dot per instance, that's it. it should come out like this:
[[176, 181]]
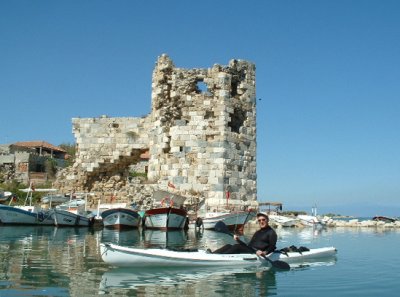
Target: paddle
[[221, 227]]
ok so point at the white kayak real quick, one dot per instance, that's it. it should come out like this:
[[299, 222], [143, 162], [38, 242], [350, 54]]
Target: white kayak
[[134, 257]]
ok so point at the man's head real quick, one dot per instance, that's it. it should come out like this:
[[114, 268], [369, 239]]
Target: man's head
[[262, 219]]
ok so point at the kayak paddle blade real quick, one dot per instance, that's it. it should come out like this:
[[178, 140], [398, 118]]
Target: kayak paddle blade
[[221, 227]]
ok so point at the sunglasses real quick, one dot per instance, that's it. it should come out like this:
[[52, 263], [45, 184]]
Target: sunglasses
[[261, 220]]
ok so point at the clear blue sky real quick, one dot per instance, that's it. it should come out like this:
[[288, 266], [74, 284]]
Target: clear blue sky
[[327, 74]]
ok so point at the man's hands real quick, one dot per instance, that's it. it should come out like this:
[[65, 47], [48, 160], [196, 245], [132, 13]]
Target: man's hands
[[260, 253]]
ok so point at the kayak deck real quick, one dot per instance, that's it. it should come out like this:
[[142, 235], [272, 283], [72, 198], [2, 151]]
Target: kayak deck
[[133, 257]]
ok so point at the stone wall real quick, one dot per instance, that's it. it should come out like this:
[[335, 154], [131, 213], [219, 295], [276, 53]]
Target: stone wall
[[200, 137]]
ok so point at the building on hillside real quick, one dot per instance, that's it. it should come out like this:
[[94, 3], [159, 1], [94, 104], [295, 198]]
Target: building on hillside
[[26, 161], [200, 137]]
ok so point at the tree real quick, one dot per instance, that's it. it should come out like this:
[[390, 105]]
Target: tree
[[50, 167], [70, 148]]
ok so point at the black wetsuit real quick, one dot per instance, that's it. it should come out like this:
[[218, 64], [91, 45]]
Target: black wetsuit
[[264, 240]]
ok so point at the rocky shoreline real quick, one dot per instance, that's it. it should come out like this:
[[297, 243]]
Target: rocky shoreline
[[363, 223], [331, 223]]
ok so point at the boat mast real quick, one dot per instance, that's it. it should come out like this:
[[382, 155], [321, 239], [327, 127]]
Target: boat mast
[[314, 210]]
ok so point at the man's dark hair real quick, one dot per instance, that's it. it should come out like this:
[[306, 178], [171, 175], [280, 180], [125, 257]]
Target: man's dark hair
[[260, 214]]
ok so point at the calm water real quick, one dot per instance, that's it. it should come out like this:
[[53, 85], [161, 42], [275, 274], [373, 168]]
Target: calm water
[[48, 261]]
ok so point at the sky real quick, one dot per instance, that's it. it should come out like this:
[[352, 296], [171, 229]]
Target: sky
[[327, 80]]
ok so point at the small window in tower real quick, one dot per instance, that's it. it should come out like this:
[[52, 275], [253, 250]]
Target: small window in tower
[[209, 115], [234, 87], [237, 120], [201, 87]]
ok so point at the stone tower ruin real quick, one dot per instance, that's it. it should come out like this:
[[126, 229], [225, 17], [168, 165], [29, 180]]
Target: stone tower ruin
[[199, 139]]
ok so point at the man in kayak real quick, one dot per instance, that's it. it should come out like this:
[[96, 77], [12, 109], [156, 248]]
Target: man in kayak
[[263, 240]]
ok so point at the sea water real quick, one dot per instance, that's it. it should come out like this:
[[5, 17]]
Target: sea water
[[49, 261]]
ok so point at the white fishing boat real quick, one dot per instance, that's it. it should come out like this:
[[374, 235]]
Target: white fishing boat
[[72, 213], [165, 218], [168, 212], [25, 215], [134, 257], [120, 217], [71, 218], [273, 210], [283, 220], [234, 220], [54, 199], [311, 220], [72, 204]]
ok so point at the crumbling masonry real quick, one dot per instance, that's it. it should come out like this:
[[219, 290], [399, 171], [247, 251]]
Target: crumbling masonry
[[199, 138]]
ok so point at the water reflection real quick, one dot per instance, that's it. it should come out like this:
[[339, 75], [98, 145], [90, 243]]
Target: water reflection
[[24, 233], [163, 239], [190, 281], [145, 238], [302, 236], [49, 261], [128, 237], [366, 230], [69, 234]]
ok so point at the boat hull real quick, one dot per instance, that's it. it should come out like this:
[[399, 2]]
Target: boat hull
[[54, 199], [20, 216], [120, 218], [132, 257], [67, 218], [310, 221], [165, 218], [283, 221], [233, 220]]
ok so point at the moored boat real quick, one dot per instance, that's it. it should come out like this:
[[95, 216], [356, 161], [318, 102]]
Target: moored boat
[[133, 257], [313, 220], [165, 218], [384, 219], [25, 215], [234, 220], [283, 220], [72, 204], [167, 213], [64, 217], [54, 199], [310, 221], [121, 217], [72, 213]]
